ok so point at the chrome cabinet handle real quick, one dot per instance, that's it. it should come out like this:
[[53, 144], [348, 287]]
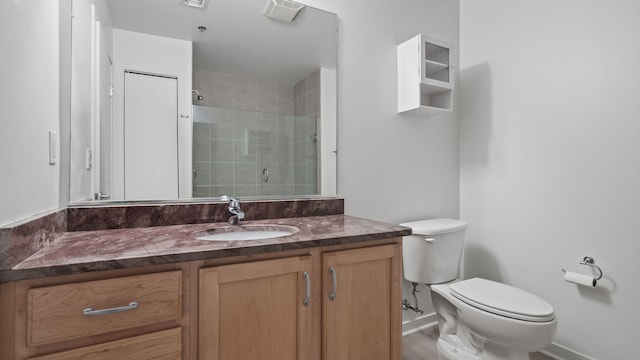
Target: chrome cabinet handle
[[265, 175], [91, 312], [334, 279], [308, 295]]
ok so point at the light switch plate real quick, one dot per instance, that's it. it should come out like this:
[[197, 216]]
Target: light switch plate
[[53, 147]]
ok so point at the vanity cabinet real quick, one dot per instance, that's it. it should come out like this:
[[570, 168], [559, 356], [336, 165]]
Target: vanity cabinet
[[266, 307], [256, 310], [71, 311], [161, 345], [334, 302], [425, 76], [360, 311], [118, 314]]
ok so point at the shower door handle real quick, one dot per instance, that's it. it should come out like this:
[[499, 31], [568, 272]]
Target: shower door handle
[[265, 175], [101, 196]]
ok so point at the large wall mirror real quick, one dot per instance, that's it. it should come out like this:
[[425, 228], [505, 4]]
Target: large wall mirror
[[176, 100]]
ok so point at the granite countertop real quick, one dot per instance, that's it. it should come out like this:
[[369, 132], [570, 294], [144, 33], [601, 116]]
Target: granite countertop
[[84, 251]]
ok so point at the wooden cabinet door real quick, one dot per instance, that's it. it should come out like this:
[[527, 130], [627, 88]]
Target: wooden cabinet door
[[361, 302], [255, 310]]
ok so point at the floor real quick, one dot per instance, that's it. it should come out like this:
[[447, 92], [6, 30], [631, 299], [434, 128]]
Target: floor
[[422, 346]]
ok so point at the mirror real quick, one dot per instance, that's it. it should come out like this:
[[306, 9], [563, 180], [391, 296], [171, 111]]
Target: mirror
[[175, 102]]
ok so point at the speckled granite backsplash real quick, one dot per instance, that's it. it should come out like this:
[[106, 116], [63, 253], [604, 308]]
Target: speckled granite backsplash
[[121, 217], [20, 240]]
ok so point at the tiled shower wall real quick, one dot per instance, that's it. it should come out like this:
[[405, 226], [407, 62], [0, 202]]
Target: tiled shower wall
[[307, 110], [243, 93], [242, 127]]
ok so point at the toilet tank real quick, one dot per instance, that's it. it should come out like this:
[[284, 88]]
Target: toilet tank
[[431, 255]]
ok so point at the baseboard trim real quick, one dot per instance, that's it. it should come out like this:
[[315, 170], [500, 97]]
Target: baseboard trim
[[421, 323], [559, 352]]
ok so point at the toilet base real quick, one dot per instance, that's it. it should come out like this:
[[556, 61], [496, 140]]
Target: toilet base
[[490, 352], [450, 352]]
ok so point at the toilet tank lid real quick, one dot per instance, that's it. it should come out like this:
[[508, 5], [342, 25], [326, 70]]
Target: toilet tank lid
[[436, 226]]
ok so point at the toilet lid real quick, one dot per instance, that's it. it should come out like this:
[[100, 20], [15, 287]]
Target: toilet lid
[[502, 299]]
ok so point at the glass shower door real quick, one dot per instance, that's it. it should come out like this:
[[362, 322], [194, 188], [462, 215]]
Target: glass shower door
[[248, 153], [288, 155]]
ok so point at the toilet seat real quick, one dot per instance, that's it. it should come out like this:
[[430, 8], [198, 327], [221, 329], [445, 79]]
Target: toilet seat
[[502, 299]]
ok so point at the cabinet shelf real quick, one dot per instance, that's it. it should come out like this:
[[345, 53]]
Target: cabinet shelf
[[425, 76], [434, 69], [437, 66], [430, 110], [432, 86]]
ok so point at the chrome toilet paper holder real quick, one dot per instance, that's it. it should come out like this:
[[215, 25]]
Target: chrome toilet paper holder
[[589, 261]]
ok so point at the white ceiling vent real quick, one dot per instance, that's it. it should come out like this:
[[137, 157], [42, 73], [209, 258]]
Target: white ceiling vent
[[283, 10], [198, 4]]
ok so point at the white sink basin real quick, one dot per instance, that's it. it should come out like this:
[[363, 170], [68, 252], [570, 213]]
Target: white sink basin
[[246, 232]]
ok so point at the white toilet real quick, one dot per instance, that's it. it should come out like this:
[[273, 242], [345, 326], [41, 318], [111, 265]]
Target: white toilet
[[478, 319]]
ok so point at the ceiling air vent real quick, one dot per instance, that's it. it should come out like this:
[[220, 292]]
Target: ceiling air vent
[[198, 4], [283, 10]]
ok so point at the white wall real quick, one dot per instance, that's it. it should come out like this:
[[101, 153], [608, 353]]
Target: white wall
[[65, 102], [29, 101], [391, 167], [156, 55], [91, 45], [550, 149], [328, 125]]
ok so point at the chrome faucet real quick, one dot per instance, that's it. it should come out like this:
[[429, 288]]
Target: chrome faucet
[[234, 209]]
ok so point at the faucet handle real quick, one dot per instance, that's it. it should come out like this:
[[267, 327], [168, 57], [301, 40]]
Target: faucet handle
[[234, 208], [233, 202]]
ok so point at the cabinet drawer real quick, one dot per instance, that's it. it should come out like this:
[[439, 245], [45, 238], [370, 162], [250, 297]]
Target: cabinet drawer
[[161, 345], [57, 313]]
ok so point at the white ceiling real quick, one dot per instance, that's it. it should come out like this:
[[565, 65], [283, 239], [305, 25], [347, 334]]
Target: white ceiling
[[239, 38]]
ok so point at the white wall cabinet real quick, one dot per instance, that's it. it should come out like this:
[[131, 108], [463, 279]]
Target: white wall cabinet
[[425, 76]]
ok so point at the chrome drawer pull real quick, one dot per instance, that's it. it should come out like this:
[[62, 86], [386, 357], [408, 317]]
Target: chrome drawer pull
[[332, 296], [90, 312], [308, 295]]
